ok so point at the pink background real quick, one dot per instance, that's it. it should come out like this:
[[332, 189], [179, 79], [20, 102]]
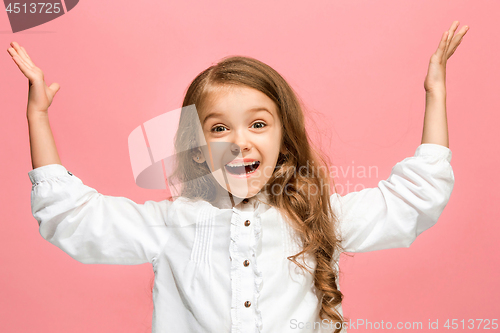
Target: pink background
[[358, 65]]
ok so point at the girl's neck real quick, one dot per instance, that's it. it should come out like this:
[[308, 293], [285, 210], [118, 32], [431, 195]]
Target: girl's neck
[[225, 200]]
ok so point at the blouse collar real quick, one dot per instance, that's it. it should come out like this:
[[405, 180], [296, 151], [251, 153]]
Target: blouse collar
[[186, 215]]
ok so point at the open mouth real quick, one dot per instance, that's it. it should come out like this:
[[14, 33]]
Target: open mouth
[[242, 168]]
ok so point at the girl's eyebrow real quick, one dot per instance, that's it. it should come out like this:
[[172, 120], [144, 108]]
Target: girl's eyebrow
[[219, 114]]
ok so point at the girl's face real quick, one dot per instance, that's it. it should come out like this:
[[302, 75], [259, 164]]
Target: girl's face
[[243, 133]]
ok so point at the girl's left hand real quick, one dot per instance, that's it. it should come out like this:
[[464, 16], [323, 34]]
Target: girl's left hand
[[436, 74]]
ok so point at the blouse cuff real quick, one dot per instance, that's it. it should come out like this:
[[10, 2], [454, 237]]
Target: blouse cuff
[[434, 150], [46, 172]]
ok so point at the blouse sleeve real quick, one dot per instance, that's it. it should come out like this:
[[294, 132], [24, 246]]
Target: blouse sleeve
[[94, 228], [400, 208]]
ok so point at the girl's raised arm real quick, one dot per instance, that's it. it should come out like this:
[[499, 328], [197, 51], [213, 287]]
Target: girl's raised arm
[[435, 120], [91, 227], [40, 96], [419, 187]]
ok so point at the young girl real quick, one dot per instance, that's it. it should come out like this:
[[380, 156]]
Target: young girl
[[252, 241]]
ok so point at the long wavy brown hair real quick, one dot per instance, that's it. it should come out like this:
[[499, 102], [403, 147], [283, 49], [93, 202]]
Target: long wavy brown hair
[[309, 212]]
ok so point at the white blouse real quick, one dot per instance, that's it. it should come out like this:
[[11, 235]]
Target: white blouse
[[226, 270]]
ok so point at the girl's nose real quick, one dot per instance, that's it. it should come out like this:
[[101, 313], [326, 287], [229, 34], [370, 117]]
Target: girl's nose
[[240, 144], [235, 149]]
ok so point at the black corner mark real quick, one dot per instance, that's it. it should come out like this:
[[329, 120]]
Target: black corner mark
[[70, 173]]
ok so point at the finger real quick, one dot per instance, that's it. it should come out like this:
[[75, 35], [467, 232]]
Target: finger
[[450, 53], [21, 54], [457, 40], [17, 59], [442, 45], [451, 32], [27, 56], [54, 87], [20, 63]]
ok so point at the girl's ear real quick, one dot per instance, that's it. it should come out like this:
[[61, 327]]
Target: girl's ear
[[198, 157]]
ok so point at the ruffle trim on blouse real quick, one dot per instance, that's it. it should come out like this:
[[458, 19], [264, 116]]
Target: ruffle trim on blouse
[[257, 272], [235, 273], [236, 222]]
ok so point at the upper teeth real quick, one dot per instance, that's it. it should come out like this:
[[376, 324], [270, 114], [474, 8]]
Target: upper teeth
[[241, 164]]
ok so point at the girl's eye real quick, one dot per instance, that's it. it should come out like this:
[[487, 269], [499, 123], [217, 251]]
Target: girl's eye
[[260, 122], [216, 127]]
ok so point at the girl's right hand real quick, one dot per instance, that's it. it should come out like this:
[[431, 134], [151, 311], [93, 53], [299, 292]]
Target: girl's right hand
[[40, 95]]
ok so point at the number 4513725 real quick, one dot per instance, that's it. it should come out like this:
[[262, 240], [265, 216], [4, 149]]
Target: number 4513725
[[50, 8], [472, 324]]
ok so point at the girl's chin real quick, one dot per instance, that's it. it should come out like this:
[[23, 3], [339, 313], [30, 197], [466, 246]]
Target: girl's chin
[[242, 194], [241, 187], [241, 191]]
